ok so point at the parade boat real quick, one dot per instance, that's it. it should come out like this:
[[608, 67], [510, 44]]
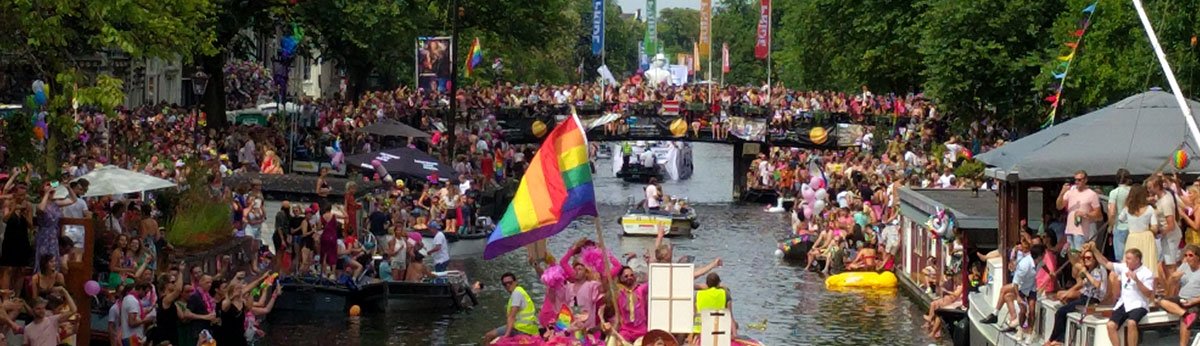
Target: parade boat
[[451, 291], [315, 295], [467, 243], [679, 221], [760, 196], [659, 160]]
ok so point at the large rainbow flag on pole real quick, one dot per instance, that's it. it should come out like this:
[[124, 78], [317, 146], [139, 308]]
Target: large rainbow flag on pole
[[556, 188], [474, 57]]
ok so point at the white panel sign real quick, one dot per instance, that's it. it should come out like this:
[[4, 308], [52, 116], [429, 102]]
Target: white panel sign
[[716, 327], [672, 297]]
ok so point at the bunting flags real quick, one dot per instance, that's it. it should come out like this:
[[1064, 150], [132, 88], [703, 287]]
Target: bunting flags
[[1064, 66]]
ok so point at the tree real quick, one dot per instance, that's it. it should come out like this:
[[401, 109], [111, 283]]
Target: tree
[[621, 40], [1115, 59], [827, 45], [364, 37], [678, 30], [991, 70], [735, 23]]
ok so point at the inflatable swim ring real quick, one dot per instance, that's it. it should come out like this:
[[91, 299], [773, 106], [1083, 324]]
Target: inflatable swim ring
[[861, 280]]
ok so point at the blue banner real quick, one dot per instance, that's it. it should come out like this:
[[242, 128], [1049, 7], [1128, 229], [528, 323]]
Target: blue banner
[[597, 27]]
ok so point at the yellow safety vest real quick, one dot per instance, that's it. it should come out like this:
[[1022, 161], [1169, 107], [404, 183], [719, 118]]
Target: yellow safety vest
[[708, 299], [526, 321]]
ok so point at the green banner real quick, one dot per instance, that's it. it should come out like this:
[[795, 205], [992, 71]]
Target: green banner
[[651, 39]]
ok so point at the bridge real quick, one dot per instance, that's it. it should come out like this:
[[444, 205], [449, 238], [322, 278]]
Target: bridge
[[749, 129]]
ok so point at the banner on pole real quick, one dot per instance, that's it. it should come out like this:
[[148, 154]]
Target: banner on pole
[[762, 45], [433, 63], [724, 58], [597, 27], [651, 39], [705, 29]]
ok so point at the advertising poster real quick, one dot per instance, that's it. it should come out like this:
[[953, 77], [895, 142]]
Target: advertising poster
[[433, 63]]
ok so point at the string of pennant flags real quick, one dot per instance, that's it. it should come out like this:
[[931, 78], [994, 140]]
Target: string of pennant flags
[[1064, 64]]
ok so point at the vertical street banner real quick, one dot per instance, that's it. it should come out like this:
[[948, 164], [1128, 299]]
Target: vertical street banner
[[433, 63], [598, 27], [762, 45], [694, 60], [651, 39], [724, 58], [705, 29], [643, 59]]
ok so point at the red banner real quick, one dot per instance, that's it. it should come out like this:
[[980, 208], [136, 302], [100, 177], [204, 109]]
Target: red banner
[[762, 46], [724, 58]]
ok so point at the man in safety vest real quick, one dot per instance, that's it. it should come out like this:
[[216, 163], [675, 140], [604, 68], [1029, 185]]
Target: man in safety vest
[[522, 316], [710, 297]]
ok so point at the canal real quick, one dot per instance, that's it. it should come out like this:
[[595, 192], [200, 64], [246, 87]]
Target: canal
[[797, 308]]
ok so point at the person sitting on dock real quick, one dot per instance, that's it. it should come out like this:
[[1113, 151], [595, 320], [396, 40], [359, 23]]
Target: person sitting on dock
[[950, 300], [1136, 291], [1024, 285], [1090, 288], [521, 318], [1184, 304]]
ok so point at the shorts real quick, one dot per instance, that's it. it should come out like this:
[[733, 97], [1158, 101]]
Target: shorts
[[253, 231], [1031, 295], [1119, 315], [441, 267], [1168, 247], [500, 331], [75, 233]]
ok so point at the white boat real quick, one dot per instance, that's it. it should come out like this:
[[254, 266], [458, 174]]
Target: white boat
[[640, 222], [671, 160]]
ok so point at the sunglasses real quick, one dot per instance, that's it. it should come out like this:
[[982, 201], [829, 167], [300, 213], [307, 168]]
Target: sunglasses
[[1088, 257], [506, 283], [1189, 255]]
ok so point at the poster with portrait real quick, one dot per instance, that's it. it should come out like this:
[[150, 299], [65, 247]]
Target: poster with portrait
[[433, 63]]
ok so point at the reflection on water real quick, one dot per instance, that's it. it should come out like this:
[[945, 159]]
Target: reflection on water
[[795, 304]]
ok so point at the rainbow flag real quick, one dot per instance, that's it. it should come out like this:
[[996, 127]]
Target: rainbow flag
[[564, 319], [476, 56], [556, 188]]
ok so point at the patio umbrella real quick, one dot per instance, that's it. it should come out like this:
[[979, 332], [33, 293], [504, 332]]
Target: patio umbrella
[[392, 128], [403, 161], [112, 180]]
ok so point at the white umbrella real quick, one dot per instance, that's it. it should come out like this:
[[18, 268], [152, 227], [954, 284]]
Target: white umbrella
[[112, 180]]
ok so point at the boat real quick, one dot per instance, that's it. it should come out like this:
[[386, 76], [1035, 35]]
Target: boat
[[663, 161], [450, 291], [640, 222], [796, 249], [466, 244], [760, 196], [311, 294]]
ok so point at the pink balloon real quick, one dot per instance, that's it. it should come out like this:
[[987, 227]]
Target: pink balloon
[[808, 212], [816, 182], [92, 288], [809, 194]]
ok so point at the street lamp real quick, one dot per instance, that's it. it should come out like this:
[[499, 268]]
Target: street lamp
[[199, 82]]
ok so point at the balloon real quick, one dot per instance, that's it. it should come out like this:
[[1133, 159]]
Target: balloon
[[778, 253], [1180, 159], [39, 133], [816, 182], [92, 288], [808, 193], [355, 311], [39, 92], [819, 207], [808, 212], [822, 195]]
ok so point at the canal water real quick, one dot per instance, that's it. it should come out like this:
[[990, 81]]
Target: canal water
[[797, 308]]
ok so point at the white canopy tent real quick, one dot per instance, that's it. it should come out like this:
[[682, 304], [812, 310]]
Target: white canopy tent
[[112, 180]]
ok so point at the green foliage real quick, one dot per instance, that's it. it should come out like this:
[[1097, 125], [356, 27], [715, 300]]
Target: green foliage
[[980, 57], [734, 23], [969, 169], [678, 30], [197, 220], [1115, 59], [825, 44]]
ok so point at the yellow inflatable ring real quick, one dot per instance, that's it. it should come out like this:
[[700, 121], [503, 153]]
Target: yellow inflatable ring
[[861, 280]]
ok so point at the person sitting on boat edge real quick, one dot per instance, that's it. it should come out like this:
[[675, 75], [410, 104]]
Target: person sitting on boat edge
[[1090, 288], [520, 316], [1185, 303], [1136, 282], [1024, 286]]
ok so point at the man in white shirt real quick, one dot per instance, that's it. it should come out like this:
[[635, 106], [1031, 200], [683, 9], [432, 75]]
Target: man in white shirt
[[652, 195], [1168, 241], [946, 180], [440, 252], [132, 320], [1136, 291]]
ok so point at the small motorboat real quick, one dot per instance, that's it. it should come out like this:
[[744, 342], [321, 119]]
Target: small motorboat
[[450, 291], [677, 222], [760, 196], [635, 173], [466, 244]]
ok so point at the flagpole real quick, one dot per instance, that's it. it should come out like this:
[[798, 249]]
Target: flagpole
[[770, 11], [1166, 67]]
